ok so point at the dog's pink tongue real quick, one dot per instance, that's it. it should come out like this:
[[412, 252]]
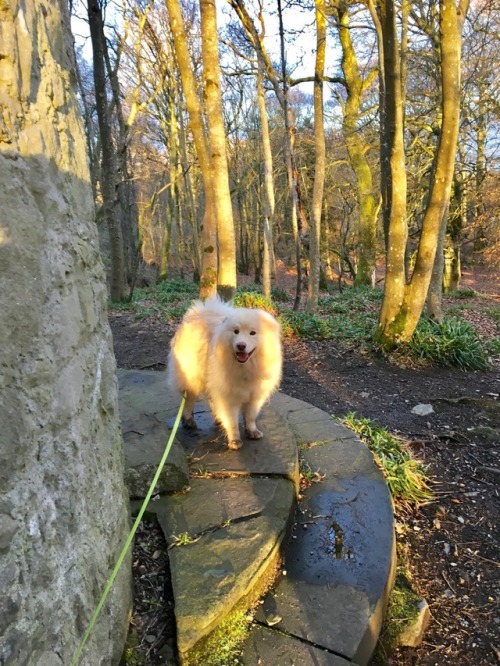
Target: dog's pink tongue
[[242, 357]]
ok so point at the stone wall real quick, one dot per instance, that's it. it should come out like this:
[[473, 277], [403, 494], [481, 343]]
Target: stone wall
[[63, 508]]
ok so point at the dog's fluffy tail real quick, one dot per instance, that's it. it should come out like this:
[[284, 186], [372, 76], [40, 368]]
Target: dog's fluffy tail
[[213, 310]]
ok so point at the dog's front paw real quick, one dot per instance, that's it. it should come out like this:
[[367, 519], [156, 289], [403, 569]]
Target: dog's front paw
[[253, 434], [234, 444], [189, 423]]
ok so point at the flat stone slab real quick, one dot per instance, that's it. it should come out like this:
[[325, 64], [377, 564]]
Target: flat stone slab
[[145, 391], [270, 648], [235, 528], [143, 449], [309, 424], [274, 454], [141, 398], [145, 396], [340, 560]]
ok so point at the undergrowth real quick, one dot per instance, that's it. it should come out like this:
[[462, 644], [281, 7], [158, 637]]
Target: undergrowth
[[453, 342], [350, 318], [169, 300], [253, 299], [405, 475]]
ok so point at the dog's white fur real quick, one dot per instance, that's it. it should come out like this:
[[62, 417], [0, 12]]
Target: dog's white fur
[[203, 360]]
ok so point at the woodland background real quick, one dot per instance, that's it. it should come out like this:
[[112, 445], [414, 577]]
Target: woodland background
[[346, 140]]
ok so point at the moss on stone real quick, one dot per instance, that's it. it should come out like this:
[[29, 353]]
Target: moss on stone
[[402, 611], [222, 646]]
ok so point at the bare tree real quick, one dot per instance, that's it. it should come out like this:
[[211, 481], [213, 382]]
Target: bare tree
[[208, 279], [280, 86], [356, 86], [268, 206]]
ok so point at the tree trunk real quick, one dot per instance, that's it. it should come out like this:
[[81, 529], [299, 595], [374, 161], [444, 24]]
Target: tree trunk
[[109, 182], [403, 304], [396, 185], [367, 203], [268, 208], [208, 280], [434, 303], [226, 280], [189, 197], [320, 159], [377, 13], [457, 219]]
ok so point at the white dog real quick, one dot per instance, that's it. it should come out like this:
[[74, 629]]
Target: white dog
[[231, 355]]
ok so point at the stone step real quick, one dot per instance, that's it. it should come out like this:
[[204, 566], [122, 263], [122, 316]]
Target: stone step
[[340, 560], [236, 528], [228, 532]]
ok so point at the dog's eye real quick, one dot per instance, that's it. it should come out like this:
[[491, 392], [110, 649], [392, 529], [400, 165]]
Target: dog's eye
[[236, 331], [252, 332]]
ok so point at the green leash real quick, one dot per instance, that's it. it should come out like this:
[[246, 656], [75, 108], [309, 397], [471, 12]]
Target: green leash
[[131, 535]]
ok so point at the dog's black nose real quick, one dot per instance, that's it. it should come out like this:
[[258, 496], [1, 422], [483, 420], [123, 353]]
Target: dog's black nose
[[241, 346]]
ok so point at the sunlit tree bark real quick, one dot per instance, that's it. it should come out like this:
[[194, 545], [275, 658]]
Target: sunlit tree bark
[[403, 303], [356, 148], [217, 145], [268, 206], [208, 278]]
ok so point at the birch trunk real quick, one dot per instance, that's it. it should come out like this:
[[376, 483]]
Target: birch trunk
[[268, 208]]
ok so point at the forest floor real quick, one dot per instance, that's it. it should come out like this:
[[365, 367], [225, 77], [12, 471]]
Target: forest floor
[[451, 544]]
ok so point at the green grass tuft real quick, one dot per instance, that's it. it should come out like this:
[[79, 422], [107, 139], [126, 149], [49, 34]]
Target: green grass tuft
[[169, 300], [279, 295], [494, 313], [464, 292], [493, 347], [404, 474], [306, 325], [453, 342]]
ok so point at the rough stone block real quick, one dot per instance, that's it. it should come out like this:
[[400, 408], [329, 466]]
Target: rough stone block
[[413, 634]]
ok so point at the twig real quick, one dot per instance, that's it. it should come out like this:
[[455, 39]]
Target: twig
[[493, 470], [448, 583], [485, 559], [476, 478]]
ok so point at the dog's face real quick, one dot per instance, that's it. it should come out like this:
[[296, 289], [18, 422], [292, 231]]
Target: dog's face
[[245, 330]]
